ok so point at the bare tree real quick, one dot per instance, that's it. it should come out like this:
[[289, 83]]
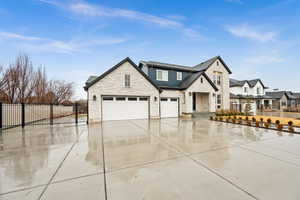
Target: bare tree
[[2, 79], [21, 83], [60, 91], [12, 82], [40, 85], [26, 75]]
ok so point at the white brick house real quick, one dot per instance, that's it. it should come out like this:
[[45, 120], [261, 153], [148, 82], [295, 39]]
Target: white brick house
[[155, 90]]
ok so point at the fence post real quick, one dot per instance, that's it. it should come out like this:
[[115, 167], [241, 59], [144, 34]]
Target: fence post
[[76, 113], [51, 114], [1, 123], [23, 114]]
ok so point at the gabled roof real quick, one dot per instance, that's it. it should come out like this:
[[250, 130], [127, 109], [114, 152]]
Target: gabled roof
[[92, 79], [235, 83], [205, 65], [168, 66], [251, 83], [186, 83], [296, 94], [200, 67], [192, 78], [277, 94], [240, 96]]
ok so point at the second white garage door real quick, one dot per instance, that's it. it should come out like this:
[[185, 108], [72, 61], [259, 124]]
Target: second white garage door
[[123, 108], [169, 107]]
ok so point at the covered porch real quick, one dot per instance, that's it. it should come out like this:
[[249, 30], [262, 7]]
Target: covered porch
[[200, 102]]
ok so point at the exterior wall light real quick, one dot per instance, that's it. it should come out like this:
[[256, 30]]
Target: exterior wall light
[[155, 98]]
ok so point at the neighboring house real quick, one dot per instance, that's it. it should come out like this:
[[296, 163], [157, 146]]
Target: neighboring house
[[284, 99], [157, 90], [249, 91]]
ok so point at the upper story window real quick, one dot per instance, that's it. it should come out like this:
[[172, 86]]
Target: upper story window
[[245, 89], [217, 63], [162, 75], [201, 80], [219, 99], [127, 80], [217, 78], [179, 76], [258, 90]]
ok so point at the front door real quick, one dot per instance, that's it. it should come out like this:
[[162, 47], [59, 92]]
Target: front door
[[194, 101]]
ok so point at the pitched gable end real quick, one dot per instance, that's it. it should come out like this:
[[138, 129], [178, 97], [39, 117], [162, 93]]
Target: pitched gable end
[[127, 59]]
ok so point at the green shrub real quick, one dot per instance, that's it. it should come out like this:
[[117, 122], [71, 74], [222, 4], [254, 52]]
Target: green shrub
[[269, 121], [253, 119], [262, 119]]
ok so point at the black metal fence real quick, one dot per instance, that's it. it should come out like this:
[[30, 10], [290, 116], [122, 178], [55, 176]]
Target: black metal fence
[[20, 114]]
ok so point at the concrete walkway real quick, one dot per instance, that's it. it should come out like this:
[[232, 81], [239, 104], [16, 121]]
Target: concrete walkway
[[141, 159]]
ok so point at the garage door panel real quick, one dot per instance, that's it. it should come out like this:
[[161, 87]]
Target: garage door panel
[[123, 108], [169, 107]]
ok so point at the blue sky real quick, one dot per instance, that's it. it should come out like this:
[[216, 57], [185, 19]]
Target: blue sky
[[75, 38]]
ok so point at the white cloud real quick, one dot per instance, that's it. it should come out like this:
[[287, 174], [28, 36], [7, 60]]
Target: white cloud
[[56, 46], [250, 32], [14, 36], [85, 9]]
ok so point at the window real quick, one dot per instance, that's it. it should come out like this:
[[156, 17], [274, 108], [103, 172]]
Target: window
[[161, 75], [201, 80], [108, 98], [127, 80], [215, 78], [245, 90], [258, 90], [94, 97], [219, 99], [173, 99], [179, 76], [164, 99], [217, 63], [120, 98], [132, 99], [218, 79], [143, 99]]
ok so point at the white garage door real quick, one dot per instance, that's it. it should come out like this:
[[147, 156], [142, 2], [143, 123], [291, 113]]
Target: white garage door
[[169, 107], [123, 108]]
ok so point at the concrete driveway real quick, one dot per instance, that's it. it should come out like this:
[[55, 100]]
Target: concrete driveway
[[141, 159]]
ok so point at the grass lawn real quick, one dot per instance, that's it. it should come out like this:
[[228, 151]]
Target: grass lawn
[[283, 120]]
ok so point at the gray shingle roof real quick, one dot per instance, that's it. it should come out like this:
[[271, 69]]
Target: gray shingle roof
[[234, 82], [189, 81], [200, 67], [252, 83], [279, 94], [91, 79], [169, 66], [206, 64], [239, 96]]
